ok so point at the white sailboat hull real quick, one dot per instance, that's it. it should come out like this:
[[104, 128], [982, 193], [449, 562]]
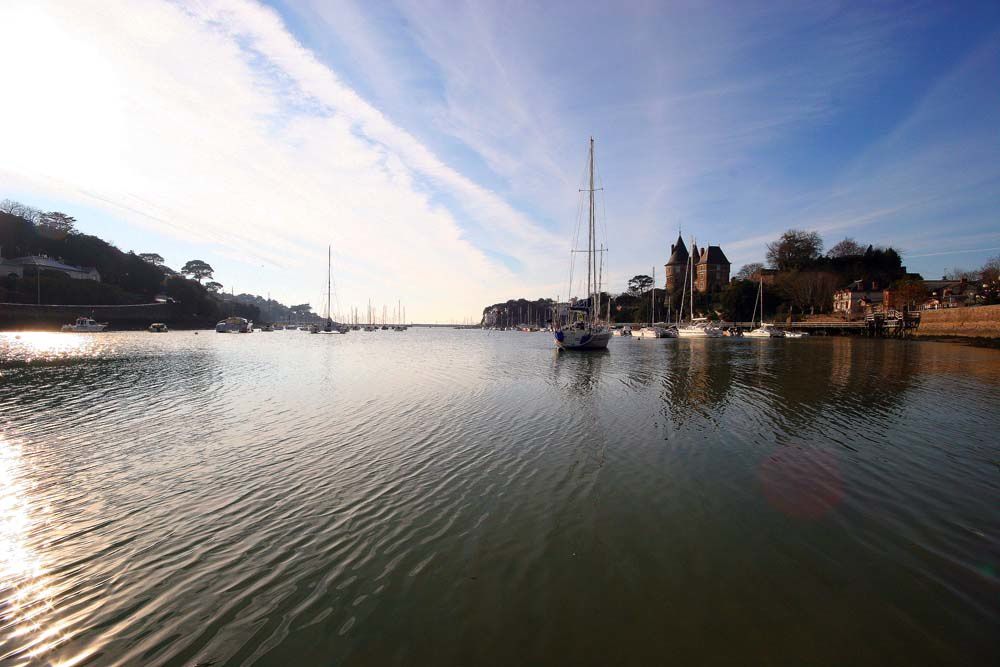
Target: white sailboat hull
[[699, 332]]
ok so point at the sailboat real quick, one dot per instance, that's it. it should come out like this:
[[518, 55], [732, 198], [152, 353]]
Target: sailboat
[[764, 330], [584, 331], [330, 327], [653, 331], [697, 327]]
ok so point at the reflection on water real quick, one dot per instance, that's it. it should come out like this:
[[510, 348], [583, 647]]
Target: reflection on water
[[468, 497]]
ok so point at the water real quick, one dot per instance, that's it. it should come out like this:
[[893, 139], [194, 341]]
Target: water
[[475, 498]]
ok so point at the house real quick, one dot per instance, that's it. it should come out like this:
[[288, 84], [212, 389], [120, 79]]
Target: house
[[21, 266], [950, 293], [857, 299]]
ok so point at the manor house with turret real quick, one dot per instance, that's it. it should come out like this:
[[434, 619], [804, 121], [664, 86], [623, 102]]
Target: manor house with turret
[[711, 268]]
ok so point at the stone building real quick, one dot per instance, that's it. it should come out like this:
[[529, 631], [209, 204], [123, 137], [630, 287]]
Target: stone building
[[676, 265], [711, 267]]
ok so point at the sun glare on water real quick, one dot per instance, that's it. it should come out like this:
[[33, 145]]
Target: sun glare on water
[[33, 346], [27, 593]]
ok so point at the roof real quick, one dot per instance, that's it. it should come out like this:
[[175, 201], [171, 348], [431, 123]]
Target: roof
[[678, 253], [49, 263], [713, 255]]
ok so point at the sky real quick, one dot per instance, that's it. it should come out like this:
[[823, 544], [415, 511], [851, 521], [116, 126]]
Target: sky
[[439, 148]]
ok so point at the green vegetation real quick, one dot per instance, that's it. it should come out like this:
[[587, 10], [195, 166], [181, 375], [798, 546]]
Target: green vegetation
[[126, 277]]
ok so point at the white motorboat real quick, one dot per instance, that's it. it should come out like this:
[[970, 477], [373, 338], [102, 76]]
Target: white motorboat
[[158, 327], [584, 331], [795, 334], [85, 325], [234, 325]]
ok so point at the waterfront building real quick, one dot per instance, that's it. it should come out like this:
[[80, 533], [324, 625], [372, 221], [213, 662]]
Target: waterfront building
[[857, 299], [950, 293], [20, 266], [711, 267], [676, 265]]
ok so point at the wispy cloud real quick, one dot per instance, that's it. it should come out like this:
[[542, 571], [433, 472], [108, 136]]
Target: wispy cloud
[[211, 121]]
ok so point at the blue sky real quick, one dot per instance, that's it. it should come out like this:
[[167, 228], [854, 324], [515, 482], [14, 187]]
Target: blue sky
[[439, 147]]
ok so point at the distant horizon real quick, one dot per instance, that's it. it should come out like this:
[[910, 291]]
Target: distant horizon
[[439, 147]]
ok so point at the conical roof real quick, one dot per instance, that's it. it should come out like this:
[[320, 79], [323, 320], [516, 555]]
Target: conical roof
[[713, 255], [678, 253]]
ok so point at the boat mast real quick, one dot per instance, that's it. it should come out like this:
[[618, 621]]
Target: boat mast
[[329, 251], [590, 230], [652, 300], [691, 260]]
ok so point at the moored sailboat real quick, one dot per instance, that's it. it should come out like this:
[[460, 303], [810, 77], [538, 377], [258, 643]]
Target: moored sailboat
[[764, 330], [583, 330], [697, 327]]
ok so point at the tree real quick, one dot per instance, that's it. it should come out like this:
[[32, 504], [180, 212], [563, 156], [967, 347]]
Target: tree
[[58, 223], [213, 287], [990, 277], [796, 249], [846, 248], [910, 293], [639, 284], [152, 258], [197, 269], [20, 210], [301, 309], [808, 289], [738, 299], [749, 271], [958, 273]]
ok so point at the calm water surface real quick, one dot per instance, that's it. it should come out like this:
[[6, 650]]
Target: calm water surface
[[442, 497]]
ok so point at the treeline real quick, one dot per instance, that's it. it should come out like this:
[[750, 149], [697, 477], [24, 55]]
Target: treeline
[[518, 311], [799, 279], [126, 277]]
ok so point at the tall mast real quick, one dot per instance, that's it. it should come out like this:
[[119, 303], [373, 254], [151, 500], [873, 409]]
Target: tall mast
[[652, 300], [691, 259], [329, 252], [591, 274]]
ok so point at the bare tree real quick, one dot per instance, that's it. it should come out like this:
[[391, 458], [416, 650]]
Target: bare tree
[[812, 290], [958, 273], [20, 210], [749, 271], [796, 249]]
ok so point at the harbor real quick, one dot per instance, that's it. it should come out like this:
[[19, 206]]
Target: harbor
[[277, 513]]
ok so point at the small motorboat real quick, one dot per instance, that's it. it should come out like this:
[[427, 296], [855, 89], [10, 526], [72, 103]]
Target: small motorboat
[[85, 325], [158, 327], [622, 331], [234, 325], [796, 334]]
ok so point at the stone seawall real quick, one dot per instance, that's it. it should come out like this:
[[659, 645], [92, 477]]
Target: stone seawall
[[27, 315], [976, 322]]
